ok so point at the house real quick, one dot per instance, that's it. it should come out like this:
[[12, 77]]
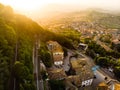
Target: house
[[82, 46], [57, 52], [113, 84], [75, 80], [116, 44], [56, 74], [81, 68], [117, 86], [110, 85], [116, 41], [102, 86]]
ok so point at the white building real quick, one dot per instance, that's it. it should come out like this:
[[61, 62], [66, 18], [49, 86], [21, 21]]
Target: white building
[[57, 52]]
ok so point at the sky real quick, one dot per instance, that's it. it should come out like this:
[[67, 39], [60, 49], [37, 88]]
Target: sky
[[31, 6], [27, 5]]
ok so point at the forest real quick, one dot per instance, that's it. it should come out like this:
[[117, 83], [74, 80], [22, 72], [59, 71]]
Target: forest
[[18, 34]]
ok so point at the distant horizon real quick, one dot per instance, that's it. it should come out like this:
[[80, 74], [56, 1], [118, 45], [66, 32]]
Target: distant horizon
[[37, 8], [22, 5]]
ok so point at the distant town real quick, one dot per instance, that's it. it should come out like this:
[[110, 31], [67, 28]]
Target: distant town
[[71, 51]]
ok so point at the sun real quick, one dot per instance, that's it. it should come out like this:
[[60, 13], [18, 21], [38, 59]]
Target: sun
[[25, 5]]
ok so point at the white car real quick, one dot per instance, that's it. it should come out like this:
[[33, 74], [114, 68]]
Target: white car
[[110, 69]]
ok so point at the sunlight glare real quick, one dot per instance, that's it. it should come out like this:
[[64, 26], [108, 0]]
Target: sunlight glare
[[35, 5], [25, 5]]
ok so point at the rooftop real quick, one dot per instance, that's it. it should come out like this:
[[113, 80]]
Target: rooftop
[[82, 68], [75, 80], [54, 46], [116, 41], [117, 86], [57, 74]]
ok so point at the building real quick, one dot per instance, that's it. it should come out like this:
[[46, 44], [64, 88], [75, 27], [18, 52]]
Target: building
[[113, 84], [116, 44], [102, 86], [57, 52], [75, 80], [56, 74], [116, 41], [117, 86], [81, 68], [82, 47]]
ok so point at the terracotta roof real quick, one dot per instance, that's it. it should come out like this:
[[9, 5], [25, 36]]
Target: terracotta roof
[[117, 86], [102, 86], [76, 64], [81, 68], [57, 74], [56, 47], [56, 50], [74, 79], [116, 41]]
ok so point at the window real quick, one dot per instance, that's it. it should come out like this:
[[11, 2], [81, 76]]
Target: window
[[87, 82]]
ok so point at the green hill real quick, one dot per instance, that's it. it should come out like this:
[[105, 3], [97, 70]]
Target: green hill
[[105, 19], [17, 34], [92, 17], [17, 38]]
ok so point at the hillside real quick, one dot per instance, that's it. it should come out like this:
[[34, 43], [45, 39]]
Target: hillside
[[18, 34], [88, 18]]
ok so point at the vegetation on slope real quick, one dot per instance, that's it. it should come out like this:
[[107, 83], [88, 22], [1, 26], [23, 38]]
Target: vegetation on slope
[[16, 43], [17, 37]]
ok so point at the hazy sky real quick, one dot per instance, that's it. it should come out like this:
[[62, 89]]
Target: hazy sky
[[40, 8], [27, 5]]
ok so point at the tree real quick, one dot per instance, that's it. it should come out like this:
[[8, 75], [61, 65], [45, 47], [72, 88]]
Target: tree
[[103, 61], [4, 72], [44, 74], [57, 84], [46, 57], [21, 71], [106, 38], [117, 71], [23, 76], [17, 37]]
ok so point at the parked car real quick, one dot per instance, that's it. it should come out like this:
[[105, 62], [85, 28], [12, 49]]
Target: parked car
[[94, 77], [106, 78], [110, 70]]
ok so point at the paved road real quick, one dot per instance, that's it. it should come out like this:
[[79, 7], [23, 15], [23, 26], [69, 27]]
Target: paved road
[[99, 78], [36, 66], [111, 74], [41, 84], [66, 65]]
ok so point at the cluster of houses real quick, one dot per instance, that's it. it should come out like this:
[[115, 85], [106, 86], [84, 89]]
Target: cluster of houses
[[57, 72], [81, 76]]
